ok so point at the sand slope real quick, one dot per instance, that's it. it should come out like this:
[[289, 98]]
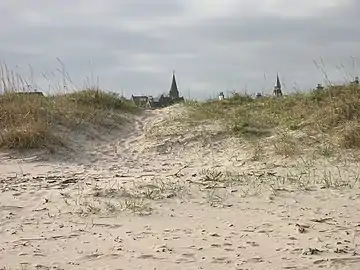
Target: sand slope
[[158, 195]]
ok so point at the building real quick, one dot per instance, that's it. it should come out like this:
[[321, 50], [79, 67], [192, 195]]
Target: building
[[319, 87], [167, 100], [355, 81], [277, 88], [174, 92], [140, 101], [162, 100], [174, 96]]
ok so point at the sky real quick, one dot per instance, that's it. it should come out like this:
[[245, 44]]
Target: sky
[[133, 46]]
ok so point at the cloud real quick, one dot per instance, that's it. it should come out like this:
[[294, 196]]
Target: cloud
[[134, 46]]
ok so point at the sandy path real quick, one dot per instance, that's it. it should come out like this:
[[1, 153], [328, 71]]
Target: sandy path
[[134, 200]]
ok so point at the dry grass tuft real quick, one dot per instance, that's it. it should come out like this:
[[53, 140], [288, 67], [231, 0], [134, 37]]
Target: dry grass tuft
[[332, 113], [29, 121]]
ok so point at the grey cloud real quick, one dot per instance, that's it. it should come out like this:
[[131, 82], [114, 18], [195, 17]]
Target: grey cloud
[[209, 55], [267, 44], [146, 8], [333, 25]]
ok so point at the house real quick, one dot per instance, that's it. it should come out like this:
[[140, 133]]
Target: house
[[319, 87], [34, 93], [356, 81], [140, 101], [158, 102]]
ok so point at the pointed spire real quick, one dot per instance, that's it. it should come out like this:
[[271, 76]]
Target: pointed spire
[[174, 93], [278, 84], [277, 88]]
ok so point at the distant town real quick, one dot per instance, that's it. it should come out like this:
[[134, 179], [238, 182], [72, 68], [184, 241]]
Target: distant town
[[173, 95]]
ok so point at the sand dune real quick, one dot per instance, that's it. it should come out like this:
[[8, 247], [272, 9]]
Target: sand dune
[[162, 195]]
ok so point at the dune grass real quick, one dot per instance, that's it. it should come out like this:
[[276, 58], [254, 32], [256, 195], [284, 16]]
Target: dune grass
[[30, 121], [333, 112]]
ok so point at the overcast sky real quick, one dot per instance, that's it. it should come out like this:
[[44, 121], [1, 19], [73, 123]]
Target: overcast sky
[[134, 45]]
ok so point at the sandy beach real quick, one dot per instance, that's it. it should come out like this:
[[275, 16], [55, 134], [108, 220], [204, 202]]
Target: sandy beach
[[158, 195]]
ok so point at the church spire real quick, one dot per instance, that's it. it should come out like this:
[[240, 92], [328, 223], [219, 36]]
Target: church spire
[[277, 88], [174, 92], [278, 84]]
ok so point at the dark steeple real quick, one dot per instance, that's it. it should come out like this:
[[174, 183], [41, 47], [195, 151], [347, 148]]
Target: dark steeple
[[277, 88], [174, 93], [278, 84]]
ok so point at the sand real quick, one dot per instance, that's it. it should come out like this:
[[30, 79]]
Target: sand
[[159, 195]]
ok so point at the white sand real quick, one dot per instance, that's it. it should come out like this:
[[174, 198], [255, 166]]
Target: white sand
[[139, 200]]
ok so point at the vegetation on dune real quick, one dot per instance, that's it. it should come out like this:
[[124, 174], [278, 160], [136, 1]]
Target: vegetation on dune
[[31, 121], [333, 112]]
